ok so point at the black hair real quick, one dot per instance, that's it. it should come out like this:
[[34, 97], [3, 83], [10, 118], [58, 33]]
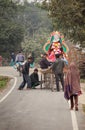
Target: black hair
[[36, 69], [57, 55]]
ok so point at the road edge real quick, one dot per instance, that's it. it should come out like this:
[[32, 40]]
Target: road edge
[[9, 92]]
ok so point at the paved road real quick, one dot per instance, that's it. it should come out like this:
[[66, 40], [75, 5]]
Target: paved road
[[36, 109]]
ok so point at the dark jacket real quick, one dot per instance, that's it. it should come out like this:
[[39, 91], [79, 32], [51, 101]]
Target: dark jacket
[[44, 63], [58, 66], [26, 68], [34, 79]]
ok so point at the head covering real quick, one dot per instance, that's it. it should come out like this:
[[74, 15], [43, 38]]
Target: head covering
[[73, 79], [36, 69], [73, 66], [29, 57]]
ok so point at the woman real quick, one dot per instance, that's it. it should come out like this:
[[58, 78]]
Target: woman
[[72, 86]]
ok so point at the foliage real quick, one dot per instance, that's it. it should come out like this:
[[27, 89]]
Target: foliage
[[37, 28], [35, 44], [3, 82], [11, 33], [23, 27], [69, 16], [82, 80], [83, 105]]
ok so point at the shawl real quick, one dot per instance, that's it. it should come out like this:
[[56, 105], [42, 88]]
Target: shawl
[[72, 81]]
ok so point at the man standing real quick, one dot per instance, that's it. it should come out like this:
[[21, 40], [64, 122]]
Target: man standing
[[20, 57], [57, 68], [44, 63], [26, 77]]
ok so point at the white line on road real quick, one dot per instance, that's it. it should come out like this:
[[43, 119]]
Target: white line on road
[[15, 80], [74, 120]]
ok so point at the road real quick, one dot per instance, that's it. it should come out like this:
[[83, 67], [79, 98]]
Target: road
[[36, 109]]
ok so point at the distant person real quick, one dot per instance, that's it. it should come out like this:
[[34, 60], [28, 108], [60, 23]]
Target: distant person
[[34, 78], [44, 63], [72, 86], [13, 57], [20, 57], [57, 69], [26, 77], [45, 66], [32, 63]]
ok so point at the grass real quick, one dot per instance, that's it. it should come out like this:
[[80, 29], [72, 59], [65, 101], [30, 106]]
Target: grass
[[82, 80], [83, 108], [3, 82]]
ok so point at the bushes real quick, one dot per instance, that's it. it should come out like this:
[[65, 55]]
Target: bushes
[[3, 82]]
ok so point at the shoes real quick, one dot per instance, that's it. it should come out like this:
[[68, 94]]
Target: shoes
[[76, 108], [71, 108], [20, 88]]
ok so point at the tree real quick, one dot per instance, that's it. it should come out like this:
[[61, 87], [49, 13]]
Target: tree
[[69, 16], [23, 23], [11, 33]]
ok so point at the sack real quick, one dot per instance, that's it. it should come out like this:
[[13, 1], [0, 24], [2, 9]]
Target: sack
[[22, 67]]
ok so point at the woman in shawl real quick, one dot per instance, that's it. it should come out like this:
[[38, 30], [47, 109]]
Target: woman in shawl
[[72, 86]]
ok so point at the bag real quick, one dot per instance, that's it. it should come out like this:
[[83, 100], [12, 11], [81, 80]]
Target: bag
[[22, 67]]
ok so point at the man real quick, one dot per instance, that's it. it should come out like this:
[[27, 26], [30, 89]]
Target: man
[[44, 63], [34, 78], [20, 57], [19, 60], [12, 59], [26, 77], [57, 68]]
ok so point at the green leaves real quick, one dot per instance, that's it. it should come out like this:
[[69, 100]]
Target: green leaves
[[69, 17], [11, 32]]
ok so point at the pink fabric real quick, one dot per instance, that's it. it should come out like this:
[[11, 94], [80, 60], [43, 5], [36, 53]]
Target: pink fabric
[[51, 57]]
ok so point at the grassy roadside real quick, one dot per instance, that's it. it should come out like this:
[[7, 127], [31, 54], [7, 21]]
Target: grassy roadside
[[83, 81], [83, 105], [3, 82]]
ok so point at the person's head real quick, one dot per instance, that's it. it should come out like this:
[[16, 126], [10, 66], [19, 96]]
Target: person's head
[[61, 56], [57, 56], [41, 55], [29, 58], [35, 70], [45, 55], [19, 52], [72, 66]]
